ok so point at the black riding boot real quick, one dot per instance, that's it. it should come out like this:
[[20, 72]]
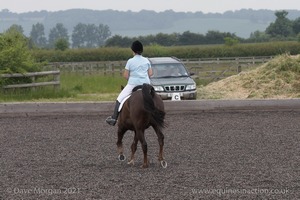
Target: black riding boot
[[112, 120]]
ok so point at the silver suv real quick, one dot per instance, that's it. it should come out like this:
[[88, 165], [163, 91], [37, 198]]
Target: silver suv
[[170, 77]]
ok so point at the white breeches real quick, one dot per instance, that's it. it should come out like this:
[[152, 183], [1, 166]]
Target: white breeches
[[125, 92]]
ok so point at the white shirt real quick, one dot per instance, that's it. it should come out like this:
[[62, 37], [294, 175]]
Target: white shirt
[[138, 70]]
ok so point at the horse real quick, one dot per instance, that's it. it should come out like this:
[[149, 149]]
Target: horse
[[144, 108]]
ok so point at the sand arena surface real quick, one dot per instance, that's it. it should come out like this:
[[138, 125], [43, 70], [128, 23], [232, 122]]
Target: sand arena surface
[[210, 155]]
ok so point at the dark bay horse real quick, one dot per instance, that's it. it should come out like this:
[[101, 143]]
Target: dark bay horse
[[144, 108]]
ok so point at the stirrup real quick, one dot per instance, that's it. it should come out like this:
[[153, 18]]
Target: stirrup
[[111, 121]]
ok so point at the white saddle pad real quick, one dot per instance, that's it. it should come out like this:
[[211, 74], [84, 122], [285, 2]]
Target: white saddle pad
[[122, 103]]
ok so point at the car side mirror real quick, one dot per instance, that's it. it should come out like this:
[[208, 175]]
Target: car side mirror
[[192, 73]]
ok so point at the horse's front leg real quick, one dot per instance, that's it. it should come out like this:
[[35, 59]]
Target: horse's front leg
[[133, 149], [121, 133]]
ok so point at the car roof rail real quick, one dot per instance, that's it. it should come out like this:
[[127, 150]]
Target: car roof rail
[[176, 58]]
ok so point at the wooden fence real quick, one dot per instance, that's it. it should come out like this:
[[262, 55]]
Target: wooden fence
[[218, 68], [203, 68], [55, 79], [102, 67]]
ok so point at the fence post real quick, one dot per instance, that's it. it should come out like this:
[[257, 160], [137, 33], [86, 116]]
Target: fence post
[[33, 81], [239, 69], [113, 69], [105, 68], [56, 78]]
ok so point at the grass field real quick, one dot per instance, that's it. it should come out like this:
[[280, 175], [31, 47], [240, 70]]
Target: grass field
[[278, 78], [74, 87]]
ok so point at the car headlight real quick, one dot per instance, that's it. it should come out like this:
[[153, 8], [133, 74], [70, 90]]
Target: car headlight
[[191, 87], [158, 88]]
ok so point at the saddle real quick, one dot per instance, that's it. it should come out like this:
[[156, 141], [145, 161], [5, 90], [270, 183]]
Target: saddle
[[139, 87]]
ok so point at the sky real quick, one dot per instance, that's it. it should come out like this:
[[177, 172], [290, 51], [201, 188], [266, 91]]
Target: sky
[[206, 6]]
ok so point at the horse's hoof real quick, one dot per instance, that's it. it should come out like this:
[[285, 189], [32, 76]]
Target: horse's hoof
[[131, 162], [121, 157], [163, 164], [145, 166]]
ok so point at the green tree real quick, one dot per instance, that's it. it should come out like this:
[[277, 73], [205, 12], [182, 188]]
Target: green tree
[[89, 35], [217, 37], [188, 38], [296, 26], [259, 36], [166, 39], [56, 33], [17, 28], [282, 27], [61, 44], [15, 56], [78, 35], [118, 41], [37, 35], [103, 32], [229, 41]]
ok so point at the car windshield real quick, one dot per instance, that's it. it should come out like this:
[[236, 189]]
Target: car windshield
[[168, 70]]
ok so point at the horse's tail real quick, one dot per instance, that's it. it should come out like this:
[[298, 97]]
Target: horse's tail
[[157, 115]]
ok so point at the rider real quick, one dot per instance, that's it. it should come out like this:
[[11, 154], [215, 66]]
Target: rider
[[137, 72]]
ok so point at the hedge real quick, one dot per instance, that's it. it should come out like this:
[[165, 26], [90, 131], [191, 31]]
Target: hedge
[[186, 52]]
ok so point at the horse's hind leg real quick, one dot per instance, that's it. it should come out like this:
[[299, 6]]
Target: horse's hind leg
[[120, 144], [141, 137], [160, 137], [133, 149]]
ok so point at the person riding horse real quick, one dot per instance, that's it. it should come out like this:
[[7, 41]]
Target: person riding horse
[[137, 72]]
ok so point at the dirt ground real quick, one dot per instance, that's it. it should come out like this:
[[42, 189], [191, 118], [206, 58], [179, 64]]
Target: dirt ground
[[210, 155]]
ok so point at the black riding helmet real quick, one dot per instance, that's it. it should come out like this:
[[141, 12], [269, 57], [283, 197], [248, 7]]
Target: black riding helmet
[[137, 47]]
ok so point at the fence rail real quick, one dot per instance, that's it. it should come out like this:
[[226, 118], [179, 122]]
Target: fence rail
[[103, 67], [203, 68], [254, 59], [218, 68], [55, 82]]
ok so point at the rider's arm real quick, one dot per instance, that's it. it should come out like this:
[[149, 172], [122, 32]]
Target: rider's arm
[[126, 74], [150, 72]]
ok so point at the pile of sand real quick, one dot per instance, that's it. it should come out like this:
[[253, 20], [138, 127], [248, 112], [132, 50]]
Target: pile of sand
[[276, 79]]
